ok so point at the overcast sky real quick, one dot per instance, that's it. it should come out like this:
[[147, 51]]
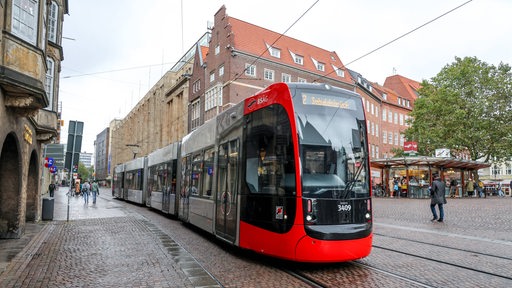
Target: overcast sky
[[116, 50]]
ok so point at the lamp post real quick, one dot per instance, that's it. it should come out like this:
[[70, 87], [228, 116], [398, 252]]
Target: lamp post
[[134, 148]]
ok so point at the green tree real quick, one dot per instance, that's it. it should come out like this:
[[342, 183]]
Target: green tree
[[83, 171], [467, 108]]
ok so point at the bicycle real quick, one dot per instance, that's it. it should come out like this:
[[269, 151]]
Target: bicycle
[[378, 191]]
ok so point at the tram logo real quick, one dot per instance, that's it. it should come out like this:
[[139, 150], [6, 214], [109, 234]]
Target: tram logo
[[255, 103], [279, 212]]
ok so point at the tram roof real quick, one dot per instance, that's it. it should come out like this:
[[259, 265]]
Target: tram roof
[[445, 162]]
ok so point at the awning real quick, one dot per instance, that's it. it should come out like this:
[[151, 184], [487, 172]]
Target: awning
[[445, 162]]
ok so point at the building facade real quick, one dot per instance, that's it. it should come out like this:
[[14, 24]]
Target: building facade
[[86, 159], [159, 118], [31, 53], [232, 62], [101, 155], [242, 58]]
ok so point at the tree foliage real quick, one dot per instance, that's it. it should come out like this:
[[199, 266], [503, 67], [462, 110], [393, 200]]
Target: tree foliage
[[466, 107], [84, 172]]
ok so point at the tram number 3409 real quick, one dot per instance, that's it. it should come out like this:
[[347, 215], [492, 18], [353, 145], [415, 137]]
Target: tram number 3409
[[345, 207]]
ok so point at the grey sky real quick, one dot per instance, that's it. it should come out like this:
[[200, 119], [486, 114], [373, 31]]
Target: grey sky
[[122, 47]]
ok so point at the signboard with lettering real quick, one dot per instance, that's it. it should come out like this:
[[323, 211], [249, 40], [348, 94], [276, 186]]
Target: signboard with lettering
[[443, 152]]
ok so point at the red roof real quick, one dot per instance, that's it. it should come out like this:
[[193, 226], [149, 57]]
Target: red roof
[[204, 51], [405, 87], [253, 39]]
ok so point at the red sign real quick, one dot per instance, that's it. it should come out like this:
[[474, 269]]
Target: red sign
[[410, 147]]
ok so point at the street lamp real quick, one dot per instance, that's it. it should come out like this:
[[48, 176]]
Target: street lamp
[[135, 149]]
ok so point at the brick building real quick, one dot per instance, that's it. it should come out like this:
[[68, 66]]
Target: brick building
[[243, 58], [31, 53], [235, 60]]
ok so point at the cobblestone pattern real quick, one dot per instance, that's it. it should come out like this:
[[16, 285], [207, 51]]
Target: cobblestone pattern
[[88, 253], [139, 247]]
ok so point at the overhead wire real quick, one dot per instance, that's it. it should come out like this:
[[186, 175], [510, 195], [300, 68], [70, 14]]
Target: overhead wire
[[275, 41], [396, 39]]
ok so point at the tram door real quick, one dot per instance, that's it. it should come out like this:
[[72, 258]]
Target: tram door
[[227, 190]]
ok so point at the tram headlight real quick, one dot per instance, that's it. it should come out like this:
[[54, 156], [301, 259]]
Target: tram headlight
[[310, 219], [367, 216]]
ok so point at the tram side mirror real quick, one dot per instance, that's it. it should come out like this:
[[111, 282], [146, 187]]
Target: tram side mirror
[[356, 140]]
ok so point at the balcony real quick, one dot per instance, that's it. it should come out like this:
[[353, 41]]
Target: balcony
[[45, 123], [22, 74]]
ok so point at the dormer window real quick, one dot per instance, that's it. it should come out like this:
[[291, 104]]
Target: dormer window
[[273, 51], [297, 58], [339, 71], [319, 65]]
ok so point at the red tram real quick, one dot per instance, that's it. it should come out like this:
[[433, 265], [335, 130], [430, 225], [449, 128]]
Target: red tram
[[284, 173]]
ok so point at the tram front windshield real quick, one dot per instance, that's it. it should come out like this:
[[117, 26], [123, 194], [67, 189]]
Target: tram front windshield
[[332, 144]]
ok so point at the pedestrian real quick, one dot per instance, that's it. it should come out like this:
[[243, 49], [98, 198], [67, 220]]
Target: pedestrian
[[500, 191], [95, 189], [480, 188], [396, 188], [85, 191], [453, 187], [78, 187], [470, 187], [437, 195], [391, 183], [51, 188]]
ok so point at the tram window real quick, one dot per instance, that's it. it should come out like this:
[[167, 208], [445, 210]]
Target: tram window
[[133, 180], [209, 155], [269, 162], [195, 182]]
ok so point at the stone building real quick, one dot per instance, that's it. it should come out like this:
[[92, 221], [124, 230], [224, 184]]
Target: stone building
[[31, 53], [101, 155], [159, 118]]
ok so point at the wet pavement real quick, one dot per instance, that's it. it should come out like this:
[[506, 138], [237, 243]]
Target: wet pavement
[[97, 245], [116, 244]]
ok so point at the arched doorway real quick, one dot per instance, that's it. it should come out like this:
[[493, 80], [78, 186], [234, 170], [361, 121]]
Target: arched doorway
[[32, 188], [10, 186]]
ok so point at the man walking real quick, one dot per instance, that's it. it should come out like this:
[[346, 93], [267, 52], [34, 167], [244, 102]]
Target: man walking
[[85, 191], [95, 189], [453, 188], [437, 195], [51, 188]]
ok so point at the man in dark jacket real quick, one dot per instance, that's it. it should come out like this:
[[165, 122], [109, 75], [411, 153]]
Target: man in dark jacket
[[437, 195], [51, 189]]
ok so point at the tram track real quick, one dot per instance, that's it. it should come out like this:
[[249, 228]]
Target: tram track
[[304, 278], [438, 261], [392, 274], [444, 246]]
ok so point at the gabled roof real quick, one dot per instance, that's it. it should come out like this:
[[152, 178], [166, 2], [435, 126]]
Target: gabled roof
[[392, 96], [405, 87], [203, 51], [256, 40]]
